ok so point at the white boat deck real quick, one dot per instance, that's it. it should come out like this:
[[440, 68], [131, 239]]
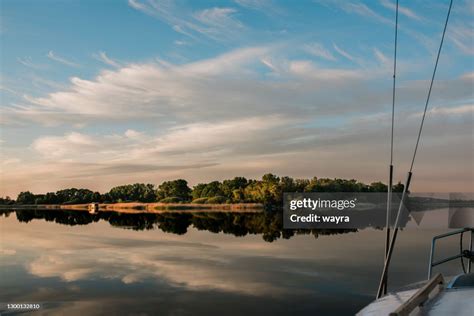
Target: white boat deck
[[457, 301], [451, 302]]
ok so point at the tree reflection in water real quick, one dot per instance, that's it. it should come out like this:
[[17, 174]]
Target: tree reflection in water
[[267, 224]]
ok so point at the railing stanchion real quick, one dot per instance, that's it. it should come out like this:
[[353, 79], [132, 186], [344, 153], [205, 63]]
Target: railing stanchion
[[469, 263]]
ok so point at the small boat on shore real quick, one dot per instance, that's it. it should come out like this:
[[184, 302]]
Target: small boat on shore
[[93, 208]]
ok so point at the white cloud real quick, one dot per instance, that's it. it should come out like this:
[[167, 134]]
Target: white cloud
[[102, 57], [381, 57], [201, 269], [367, 14], [130, 133], [468, 76], [363, 10], [218, 23], [261, 5], [199, 141], [268, 7], [141, 90], [139, 6], [462, 36], [218, 17], [215, 23], [53, 56], [180, 43], [319, 50], [48, 266], [228, 83], [72, 144], [210, 118], [28, 62], [343, 53], [402, 10], [449, 111], [308, 69], [236, 61], [250, 147], [9, 90], [217, 136], [268, 62]]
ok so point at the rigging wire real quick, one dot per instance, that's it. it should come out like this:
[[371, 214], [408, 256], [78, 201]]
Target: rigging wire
[[431, 86], [383, 278]]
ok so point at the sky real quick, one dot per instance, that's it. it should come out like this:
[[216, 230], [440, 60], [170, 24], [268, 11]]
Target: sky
[[96, 94]]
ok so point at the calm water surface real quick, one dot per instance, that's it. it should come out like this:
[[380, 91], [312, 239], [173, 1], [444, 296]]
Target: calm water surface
[[200, 264]]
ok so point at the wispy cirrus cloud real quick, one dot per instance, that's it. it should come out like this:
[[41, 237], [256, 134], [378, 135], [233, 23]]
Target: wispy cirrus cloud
[[318, 50], [343, 53], [363, 10], [165, 92], [217, 23], [9, 90], [462, 36], [309, 70], [102, 57], [401, 9], [28, 62], [266, 6], [180, 43], [160, 87], [253, 4], [53, 56], [465, 109], [381, 57]]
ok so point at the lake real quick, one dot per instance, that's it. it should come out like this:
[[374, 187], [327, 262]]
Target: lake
[[74, 263]]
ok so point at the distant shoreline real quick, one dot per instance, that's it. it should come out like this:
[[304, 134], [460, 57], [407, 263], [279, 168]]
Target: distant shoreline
[[146, 207]]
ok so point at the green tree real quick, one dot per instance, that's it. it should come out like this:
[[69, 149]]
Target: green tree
[[197, 190], [378, 187], [137, 192], [228, 187], [25, 198], [176, 188], [212, 189], [398, 187], [270, 178], [6, 201]]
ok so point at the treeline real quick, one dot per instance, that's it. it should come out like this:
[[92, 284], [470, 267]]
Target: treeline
[[269, 191]]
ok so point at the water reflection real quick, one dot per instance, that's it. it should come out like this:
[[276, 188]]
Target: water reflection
[[176, 264], [267, 224]]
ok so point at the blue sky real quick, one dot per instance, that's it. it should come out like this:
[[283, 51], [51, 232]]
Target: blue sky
[[153, 90]]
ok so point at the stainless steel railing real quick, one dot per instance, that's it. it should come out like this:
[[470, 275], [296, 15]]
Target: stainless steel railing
[[462, 254]]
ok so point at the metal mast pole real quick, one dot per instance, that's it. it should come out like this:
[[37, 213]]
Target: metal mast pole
[[407, 183], [390, 178]]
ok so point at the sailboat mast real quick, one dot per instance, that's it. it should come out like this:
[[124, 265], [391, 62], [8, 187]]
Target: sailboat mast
[[390, 177], [382, 283]]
